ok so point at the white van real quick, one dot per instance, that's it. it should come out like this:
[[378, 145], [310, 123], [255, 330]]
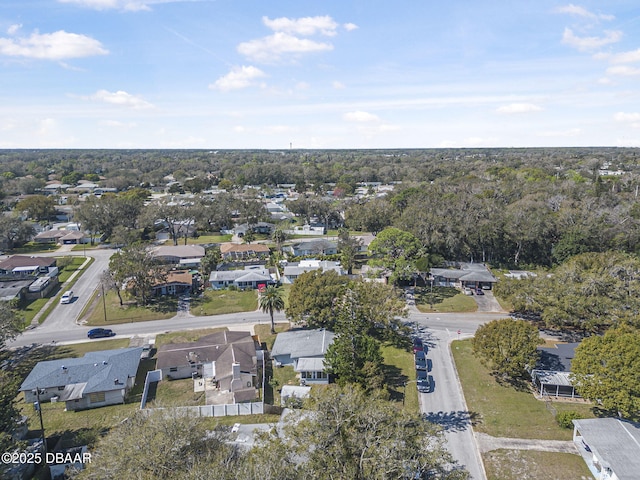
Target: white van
[[66, 297]]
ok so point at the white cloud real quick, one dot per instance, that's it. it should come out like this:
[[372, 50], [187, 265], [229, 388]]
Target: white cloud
[[13, 29], [120, 98], [627, 117], [127, 5], [52, 46], [579, 11], [119, 124], [338, 85], [623, 71], [305, 26], [273, 47], [519, 108], [237, 78], [625, 57], [349, 27], [590, 43], [360, 117]]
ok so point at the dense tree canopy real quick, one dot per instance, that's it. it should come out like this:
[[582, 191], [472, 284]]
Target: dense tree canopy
[[605, 370], [589, 292], [509, 347]]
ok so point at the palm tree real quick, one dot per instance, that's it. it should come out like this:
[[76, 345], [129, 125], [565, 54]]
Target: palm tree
[[270, 300]]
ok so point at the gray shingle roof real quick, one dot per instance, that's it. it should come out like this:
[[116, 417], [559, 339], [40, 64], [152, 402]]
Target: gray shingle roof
[[98, 370], [616, 442], [302, 343]]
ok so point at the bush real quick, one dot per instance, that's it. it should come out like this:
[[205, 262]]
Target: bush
[[564, 419]]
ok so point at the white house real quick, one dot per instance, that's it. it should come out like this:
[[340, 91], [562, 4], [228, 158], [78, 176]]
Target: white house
[[305, 351], [294, 270]]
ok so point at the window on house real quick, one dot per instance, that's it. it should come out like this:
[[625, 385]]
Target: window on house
[[97, 397], [173, 369]]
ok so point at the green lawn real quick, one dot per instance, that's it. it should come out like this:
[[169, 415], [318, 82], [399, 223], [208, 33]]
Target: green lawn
[[443, 300], [501, 410], [216, 302], [534, 465], [185, 336], [204, 239], [176, 393], [399, 368], [165, 307]]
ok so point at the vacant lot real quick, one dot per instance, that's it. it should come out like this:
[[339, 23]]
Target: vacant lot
[[217, 302], [531, 465], [162, 308], [501, 410], [443, 300]]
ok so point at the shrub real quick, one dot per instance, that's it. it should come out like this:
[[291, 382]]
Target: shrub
[[564, 419]]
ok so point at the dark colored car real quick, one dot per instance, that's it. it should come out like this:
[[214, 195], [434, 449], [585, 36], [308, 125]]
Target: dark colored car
[[418, 346], [421, 361], [479, 291], [100, 333]]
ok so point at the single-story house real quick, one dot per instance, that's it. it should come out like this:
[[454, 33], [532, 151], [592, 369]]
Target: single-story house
[[295, 269], [14, 289], [181, 255], [227, 359], [609, 446], [308, 230], [25, 265], [305, 351], [318, 246], [264, 228], [178, 282], [243, 251], [63, 237], [94, 380], [50, 236], [249, 278], [473, 275], [552, 375]]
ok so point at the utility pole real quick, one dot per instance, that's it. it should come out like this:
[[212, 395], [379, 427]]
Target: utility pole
[[38, 406], [104, 303]]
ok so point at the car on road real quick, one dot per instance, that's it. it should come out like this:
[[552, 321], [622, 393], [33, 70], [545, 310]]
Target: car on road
[[66, 297], [424, 386], [421, 361], [100, 333]]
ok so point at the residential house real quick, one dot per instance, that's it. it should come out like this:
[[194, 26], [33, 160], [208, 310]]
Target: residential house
[[260, 227], [295, 269], [62, 237], [249, 278], [177, 282], [180, 255], [94, 380], [243, 251], [305, 351], [318, 246], [307, 230], [226, 359], [609, 446], [472, 275], [25, 265], [552, 375]]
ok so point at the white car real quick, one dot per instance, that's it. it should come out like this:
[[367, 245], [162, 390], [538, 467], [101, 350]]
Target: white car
[[66, 297]]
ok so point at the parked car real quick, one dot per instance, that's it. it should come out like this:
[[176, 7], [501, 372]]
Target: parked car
[[421, 361], [467, 291], [424, 386], [146, 352], [66, 297], [418, 345], [479, 291], [100, 333]]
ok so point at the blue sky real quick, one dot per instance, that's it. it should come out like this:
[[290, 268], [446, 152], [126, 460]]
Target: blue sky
[[318, 74]]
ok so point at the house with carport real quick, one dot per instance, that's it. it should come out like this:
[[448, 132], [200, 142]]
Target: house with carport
[[184, 256], [250, 278], [293, 270]]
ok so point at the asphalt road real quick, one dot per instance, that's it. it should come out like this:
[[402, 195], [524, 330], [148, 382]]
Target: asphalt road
[[445, 405]]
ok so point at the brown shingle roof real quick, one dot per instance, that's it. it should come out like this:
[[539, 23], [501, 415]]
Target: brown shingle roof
[[24, 261]]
